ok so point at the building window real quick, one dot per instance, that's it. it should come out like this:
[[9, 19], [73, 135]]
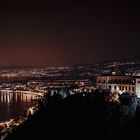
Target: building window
[[129, 88], [120, 88], [133, 89], [126, 88], [99, 81], [109, 87], [119, 80], [123, 81], [115, 87]]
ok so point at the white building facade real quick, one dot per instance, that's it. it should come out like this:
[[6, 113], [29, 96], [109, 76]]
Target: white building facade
[[119, 84], [136, 75]]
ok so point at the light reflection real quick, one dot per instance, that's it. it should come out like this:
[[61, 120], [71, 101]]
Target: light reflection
[[13, 104], [7, 97]]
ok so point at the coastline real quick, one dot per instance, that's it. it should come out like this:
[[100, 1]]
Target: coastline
[[7, 127]]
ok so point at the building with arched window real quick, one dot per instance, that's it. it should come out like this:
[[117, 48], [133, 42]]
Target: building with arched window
[[120, 83]]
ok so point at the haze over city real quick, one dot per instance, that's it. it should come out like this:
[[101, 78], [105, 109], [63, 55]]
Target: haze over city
[[69, 69], [56, 33]]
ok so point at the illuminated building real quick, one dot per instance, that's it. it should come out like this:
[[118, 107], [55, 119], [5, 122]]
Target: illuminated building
[[136, 75], [120, 83]]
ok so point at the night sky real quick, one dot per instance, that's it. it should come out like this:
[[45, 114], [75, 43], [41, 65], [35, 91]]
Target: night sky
[[57, 33]]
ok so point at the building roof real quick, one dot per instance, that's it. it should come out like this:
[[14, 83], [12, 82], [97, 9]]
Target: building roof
[[136, 73], [113, 74]]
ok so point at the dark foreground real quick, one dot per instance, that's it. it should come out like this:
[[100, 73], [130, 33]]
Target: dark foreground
[[100, 115]]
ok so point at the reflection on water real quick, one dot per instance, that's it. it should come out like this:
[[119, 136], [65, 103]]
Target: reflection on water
[[12, 104]]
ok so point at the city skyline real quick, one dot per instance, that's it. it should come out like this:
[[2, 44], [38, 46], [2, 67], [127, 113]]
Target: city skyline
[[38, 33]]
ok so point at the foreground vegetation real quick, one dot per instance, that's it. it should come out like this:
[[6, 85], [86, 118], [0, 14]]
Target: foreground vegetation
[[97, 115]]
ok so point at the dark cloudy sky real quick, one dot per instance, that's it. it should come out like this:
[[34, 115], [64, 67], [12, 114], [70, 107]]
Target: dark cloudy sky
[[67, 32]]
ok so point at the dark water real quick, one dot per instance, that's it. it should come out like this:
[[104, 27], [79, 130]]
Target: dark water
[[13, 105]]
